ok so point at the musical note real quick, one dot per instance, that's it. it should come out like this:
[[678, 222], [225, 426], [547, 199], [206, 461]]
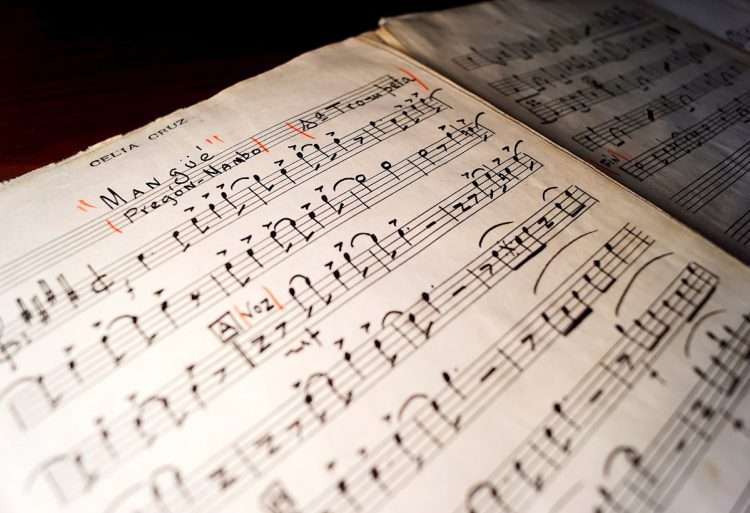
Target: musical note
[[539, 79], [288, 293], [438, 418], [505, 52], [201, 293], [583, 99], [550, 444], [196, 229], [399, 332], [682, 143], [50, 254], [691, 428]]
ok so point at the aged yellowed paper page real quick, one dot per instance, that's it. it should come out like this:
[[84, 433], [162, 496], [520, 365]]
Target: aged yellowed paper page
[[349, 286], [729, 20], [659, 105]]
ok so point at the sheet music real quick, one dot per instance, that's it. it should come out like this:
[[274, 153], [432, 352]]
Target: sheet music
[[348, 285], [657, 104], [729, 19]]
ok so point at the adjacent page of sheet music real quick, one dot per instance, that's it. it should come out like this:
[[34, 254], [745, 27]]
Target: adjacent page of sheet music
[[658, 104], [346, 286], [729, 20]]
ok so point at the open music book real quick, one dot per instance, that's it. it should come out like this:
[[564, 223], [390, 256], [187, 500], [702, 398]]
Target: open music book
[[353, 285]]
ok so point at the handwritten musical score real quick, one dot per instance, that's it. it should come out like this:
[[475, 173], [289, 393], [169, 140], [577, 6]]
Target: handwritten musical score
[[440, 417], [118, 345], [300, 416], [728, 20], [650, 97], [684, 142], [715, 181], [574, 417], [539, 79], [709, 407], [195, 172], [384, 294], [614, 131], [583, 99], [180, 397], [245, 196], [603, 21]]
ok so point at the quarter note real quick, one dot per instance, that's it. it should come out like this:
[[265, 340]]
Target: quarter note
[[293, 292], [379, 348], [241, 282], [578, 205], [258, 180], [176, 236], [426, 298], [142, 259], [194, 221]]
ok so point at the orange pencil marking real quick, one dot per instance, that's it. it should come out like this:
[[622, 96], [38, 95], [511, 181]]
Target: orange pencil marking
[[260, 144], [414, 77], [218, 138], [84, 205], [242, 316], [618, 155], [273, 299], [115, 228], [301, 132]]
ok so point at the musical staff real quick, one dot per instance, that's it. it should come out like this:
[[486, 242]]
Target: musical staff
[[704, 189], [235, 205], [603, 21], [241, 353], [368, 290], [45, 256], [637, 98], [537, 80], [614, 131], [95, 362], [543, 454], [739, 230], [671, 456], [440, 418], [682, 143], [328, 394], [642, 76]]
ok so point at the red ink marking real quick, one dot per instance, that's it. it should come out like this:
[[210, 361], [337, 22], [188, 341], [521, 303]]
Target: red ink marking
[[218, 138], [618, 155], [299, 131], [242, 316], [83, 205], [273, 298], [414, 77], [209, 141], [260, 144], [115, 228]]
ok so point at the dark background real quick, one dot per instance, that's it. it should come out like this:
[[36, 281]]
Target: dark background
[[73, 76]]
